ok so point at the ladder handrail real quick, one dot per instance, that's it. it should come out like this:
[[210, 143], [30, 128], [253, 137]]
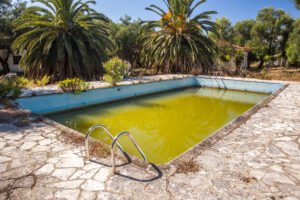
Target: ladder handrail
[[87, 139], [113, 149]]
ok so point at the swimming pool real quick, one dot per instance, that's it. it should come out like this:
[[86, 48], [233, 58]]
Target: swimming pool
[[164, 125]]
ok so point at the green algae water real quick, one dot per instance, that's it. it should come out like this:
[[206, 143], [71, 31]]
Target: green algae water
[[164, 125]]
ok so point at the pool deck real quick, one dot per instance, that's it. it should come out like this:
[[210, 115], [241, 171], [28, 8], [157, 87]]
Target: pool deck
[[258, 160]]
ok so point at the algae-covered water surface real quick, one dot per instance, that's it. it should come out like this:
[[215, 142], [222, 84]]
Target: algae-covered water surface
[[164, 125]]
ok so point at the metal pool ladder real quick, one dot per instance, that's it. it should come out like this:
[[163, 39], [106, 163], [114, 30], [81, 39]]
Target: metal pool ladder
[[115, 141], [219, 76]]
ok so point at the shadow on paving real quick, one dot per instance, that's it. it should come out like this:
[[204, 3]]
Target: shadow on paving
[[129, 161]]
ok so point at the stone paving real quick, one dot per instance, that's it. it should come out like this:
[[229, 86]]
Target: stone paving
[[258, 160]]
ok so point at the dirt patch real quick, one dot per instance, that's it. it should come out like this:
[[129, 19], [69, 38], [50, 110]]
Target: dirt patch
[[277, 73], [187, 166], [14, 116], [97, 148]]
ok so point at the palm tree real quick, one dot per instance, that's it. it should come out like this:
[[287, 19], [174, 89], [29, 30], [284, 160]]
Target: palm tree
[[64, 38], [178, 42]]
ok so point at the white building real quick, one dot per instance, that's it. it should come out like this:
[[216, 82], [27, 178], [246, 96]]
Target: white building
[[13, 61]]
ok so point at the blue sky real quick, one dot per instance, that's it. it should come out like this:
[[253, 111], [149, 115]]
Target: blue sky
[[235, 10]]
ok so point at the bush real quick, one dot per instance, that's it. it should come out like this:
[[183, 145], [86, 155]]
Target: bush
[[116, 70], [74, 85], [24, 82], [239, 57], [44, 81], [266, 58], [9, 90], [225, 58]]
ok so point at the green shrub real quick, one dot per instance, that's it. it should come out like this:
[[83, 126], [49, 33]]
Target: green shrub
[[22, 81], [9, 90], [74, 85], [239, 57], [115, 69], [266, 58], [225, 58], [44, 81]]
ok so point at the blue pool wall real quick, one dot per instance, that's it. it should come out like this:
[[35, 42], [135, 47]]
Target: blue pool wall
[[66, 101]]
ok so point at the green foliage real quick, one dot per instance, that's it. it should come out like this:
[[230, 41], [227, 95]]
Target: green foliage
[[266, 58], [15, 93], [9, 11], [225, 58], [115, 69], [270, 32], [63, 38], [22, 81], [9, 90], [239, 57], [293, 51], [74, 85], [225, 31], [124, 36], [44, 81], [178, 42], [224, 39], [242, 32]]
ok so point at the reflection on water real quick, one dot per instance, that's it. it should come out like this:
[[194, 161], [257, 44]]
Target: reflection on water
[[164, 125]]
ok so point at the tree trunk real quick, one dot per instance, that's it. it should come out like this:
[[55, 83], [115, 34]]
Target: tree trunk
[[4, 62], [5, 66], [261, 64]]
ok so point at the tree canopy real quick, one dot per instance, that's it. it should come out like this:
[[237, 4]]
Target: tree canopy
[[293, 51], [8, 13], [242, 32], [124, 36], [270, 32]]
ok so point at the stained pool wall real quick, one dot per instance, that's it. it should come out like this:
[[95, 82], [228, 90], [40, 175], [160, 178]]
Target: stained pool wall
[[65, 101]]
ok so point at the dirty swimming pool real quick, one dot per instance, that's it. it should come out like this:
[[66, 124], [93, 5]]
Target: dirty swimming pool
[[164, 125]]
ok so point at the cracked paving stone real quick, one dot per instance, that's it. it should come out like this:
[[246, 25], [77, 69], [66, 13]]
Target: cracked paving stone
[[103, 174], [45, 142], [46, 169], [67, 184], [67, 194], [4, 159], [28, 145], [92, 185], [63, 174], [87, 195], [25, 182], [13, 137], [3, 167], [39, 148], [70, 162]]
